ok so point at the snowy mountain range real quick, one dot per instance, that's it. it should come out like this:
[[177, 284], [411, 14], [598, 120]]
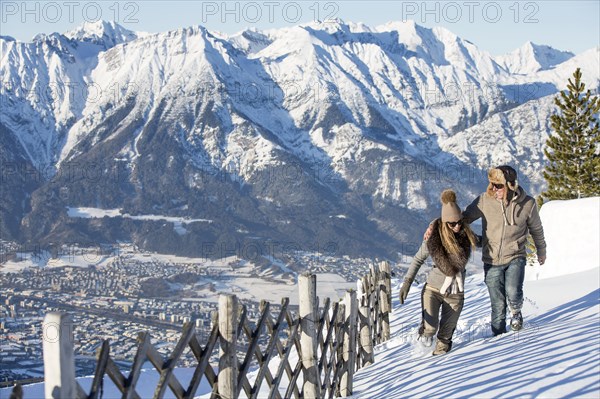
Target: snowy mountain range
[[324, 135]]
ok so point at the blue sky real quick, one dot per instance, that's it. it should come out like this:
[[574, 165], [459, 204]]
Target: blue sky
[[496, 26]]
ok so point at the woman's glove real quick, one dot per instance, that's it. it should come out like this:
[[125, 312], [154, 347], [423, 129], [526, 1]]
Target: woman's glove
[[404, 290], [453, 285]]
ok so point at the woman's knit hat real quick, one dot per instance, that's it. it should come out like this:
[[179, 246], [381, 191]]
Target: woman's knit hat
[[450, 211]]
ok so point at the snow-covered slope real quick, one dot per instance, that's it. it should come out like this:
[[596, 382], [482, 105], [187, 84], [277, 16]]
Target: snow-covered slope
[[557, 354], [505, 138], [105, 33], [580, 251], [400, 77], [46, 84], [532, 58]]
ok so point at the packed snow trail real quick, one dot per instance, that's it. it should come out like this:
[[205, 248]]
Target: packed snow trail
[[557, 354]]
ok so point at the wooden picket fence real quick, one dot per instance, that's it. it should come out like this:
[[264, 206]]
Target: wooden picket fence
[[313, 354]]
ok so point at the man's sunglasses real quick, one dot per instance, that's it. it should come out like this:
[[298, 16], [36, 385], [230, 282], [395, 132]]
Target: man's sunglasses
[[453, 224], [498, 186]]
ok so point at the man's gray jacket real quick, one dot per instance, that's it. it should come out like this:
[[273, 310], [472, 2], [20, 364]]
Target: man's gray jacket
[[505, 226]]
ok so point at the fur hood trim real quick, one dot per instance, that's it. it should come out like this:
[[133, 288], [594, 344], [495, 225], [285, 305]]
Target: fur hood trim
[[449, 264]]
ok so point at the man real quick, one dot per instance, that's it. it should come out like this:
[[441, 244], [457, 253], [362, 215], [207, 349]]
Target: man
[[508, 214]]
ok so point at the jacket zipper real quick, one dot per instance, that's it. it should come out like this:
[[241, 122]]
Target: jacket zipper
[[502, 236]]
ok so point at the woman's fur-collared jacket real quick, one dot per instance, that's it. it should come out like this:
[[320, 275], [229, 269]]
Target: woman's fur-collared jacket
[[445, 265]]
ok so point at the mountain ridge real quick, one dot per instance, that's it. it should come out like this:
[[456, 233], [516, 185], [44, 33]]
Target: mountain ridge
[[267, 132]]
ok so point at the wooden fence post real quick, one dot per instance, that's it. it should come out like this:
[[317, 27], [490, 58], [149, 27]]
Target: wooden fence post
[[349, 343], [340, 331], [308, 309], [374, 299], [366, 342], [385, 299], [387, 268], [59, 362], [17, 392], [228, 368]]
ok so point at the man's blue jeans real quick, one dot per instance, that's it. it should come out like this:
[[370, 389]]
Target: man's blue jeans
[[505, 285]]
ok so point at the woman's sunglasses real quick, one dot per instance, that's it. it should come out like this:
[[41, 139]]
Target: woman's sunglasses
[[498, 186], [453, 224]]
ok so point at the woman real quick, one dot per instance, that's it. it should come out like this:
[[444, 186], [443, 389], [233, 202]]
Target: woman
[[449, 246]]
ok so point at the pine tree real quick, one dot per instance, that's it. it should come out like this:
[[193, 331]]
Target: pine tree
[[573, 150]]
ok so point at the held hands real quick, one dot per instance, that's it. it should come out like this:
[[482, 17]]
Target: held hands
[[404, 290]]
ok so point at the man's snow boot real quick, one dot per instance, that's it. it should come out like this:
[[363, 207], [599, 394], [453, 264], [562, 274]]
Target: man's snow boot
[[516, 322]]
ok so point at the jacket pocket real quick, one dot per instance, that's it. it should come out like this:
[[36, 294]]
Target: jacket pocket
[[515, 238], [490, 249]]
